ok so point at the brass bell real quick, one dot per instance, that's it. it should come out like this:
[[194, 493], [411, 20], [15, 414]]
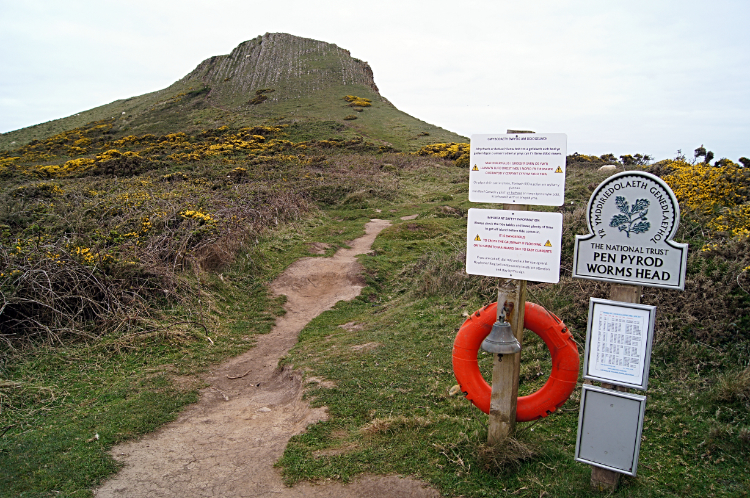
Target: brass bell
[[501, 340]]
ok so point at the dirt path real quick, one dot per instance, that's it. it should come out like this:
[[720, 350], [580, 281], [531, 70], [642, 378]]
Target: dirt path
[[226, 444]]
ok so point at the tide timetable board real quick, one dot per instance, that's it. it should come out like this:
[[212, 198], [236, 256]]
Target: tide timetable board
[[618, 343]]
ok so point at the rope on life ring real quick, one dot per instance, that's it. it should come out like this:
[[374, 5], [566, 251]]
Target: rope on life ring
[[556, 336]]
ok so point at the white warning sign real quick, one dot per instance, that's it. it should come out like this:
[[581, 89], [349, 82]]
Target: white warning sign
[[523, 245], [523, 168]]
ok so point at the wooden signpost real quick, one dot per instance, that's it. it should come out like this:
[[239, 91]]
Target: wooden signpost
[[516, 170], [604, 479]]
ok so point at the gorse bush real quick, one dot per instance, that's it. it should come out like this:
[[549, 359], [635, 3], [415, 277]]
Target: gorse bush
[[717, 194], [459, 153], [55, 293], [355, 101], [702, 187]]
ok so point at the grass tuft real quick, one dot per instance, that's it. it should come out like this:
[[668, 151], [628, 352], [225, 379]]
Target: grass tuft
[[393, 424], [734, 387], [506, 455]]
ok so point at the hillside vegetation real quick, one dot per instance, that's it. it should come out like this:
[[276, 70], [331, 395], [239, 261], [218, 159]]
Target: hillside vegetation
[[126, 274]]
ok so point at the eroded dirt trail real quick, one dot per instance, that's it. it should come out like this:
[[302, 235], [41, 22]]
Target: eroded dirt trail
[[226, 444]]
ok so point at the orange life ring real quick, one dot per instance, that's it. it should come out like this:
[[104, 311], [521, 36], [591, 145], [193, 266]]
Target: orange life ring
[[556, 336]]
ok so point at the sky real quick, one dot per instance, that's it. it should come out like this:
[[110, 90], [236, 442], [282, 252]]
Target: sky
[[616, 76]]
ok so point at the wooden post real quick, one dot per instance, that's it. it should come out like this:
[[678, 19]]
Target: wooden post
[[506, 368], [603, 479]]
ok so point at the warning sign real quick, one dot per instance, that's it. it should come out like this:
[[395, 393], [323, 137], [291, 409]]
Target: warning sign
[[524, 168], [523, 245]]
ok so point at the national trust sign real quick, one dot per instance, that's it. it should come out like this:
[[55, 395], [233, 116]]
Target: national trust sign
[[632, 217]]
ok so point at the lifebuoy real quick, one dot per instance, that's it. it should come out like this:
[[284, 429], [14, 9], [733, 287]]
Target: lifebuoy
[[556, 336]]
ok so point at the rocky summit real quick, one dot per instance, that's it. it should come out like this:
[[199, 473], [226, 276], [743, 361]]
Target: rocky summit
[[289, 66]]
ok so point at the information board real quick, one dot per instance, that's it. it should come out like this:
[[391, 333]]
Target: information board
[[524, 245], [522, 168], [618, 343]]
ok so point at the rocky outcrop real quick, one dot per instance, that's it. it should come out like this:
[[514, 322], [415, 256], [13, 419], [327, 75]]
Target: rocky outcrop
[[289, 65]]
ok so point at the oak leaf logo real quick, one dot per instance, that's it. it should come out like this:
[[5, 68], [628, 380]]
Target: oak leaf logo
[[632, 219]]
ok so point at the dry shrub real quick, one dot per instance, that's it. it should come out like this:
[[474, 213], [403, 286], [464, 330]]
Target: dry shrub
[[413, 162], [448, 212], [93, 284], [351, 178], [219, 253], [715, 306], [52, 297], [216, 252], [125, 166], [734, 387]]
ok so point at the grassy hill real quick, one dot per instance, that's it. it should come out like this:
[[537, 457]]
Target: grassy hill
[[272, 79], [135, 251]]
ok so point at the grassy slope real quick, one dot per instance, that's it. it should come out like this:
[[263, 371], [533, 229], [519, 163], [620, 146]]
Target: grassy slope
[[154, 113], [390, 408], [133, 106]]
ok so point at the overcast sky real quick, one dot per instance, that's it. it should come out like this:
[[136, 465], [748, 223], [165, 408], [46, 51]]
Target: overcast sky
[[615, 76]]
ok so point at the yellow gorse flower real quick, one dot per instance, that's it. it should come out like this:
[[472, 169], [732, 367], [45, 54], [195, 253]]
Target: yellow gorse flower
[[197, 215], [355, 101], [716, 191]]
